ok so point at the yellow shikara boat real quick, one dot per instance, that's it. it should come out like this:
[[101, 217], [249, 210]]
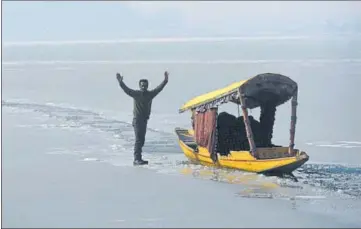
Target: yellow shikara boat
[[210, 143]]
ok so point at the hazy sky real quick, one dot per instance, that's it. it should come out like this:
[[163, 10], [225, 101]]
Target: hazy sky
[[58, 20]]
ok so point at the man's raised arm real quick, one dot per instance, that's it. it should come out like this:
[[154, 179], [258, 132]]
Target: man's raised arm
[[160, 87], [126, 89]]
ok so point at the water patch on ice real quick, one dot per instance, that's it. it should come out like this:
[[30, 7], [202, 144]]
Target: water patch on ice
[[351, 142], [91, 159], [337, 144], [336, 179], [157, 141], [309, 197]]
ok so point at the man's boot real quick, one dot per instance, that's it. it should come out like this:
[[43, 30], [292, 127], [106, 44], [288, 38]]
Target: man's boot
[[139, 161]]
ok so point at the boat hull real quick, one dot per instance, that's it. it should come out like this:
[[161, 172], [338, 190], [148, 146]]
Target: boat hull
[[275, 160]]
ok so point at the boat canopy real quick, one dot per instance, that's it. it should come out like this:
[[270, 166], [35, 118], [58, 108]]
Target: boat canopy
[[260, 89]]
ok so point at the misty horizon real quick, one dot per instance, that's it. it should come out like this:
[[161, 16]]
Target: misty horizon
[[59, 21]]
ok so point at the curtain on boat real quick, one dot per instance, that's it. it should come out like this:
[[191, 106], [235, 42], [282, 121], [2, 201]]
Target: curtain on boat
[[205, 129]]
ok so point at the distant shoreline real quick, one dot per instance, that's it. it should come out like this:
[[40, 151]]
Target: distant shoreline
[[180, 39]]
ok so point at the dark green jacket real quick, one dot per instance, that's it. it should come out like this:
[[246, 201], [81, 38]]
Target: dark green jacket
[[142, 99]]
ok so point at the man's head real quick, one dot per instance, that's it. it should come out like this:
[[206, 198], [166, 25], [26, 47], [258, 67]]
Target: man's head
[[143, 84]]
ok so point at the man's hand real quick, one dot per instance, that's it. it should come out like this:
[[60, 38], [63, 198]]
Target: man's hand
[[119, 77], [166, 75]]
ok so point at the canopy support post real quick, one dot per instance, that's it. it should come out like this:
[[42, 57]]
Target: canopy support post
[[247, 124], [293, 123]]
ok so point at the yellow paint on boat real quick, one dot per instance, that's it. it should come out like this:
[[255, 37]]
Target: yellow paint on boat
[[212, 95], [241, 160]]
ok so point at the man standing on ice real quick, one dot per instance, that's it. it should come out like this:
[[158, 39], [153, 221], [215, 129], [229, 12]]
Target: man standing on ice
[[141, 111]]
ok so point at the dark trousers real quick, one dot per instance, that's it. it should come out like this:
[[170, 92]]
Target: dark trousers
[[140, 129]]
